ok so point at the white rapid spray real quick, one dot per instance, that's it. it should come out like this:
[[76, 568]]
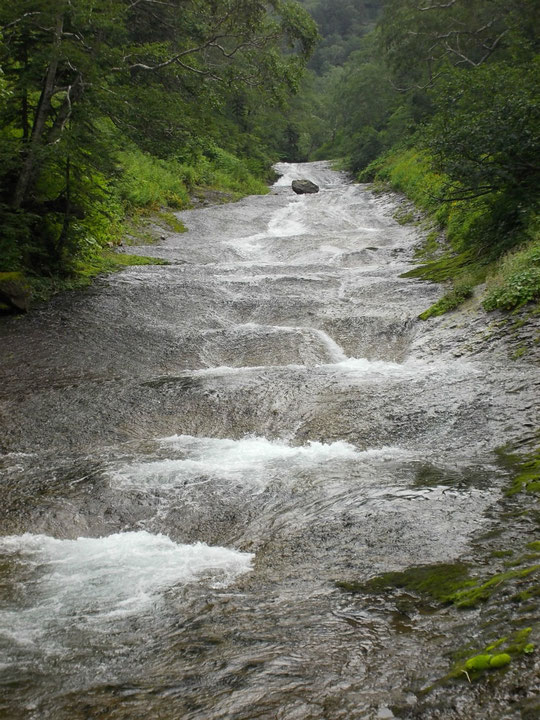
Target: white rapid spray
[[254, 461], [101, 580]]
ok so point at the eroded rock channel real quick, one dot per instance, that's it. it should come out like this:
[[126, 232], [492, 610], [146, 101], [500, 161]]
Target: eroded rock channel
[[194, 454]]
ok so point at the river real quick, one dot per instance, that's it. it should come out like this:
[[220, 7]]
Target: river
[[193, 454]]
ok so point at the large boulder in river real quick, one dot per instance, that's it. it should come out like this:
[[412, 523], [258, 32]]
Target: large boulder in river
[[301, 187]]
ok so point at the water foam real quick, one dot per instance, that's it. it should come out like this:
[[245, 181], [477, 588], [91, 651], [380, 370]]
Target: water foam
[[252, 458], [358, 368], [412, 367], [100, 579], [288, 221]]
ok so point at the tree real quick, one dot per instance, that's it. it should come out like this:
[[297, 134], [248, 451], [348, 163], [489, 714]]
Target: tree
[[485, 135], [158, 71], [422, 38]]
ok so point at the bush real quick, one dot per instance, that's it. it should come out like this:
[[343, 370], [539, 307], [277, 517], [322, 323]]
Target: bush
[[516, 280], [147, 181]]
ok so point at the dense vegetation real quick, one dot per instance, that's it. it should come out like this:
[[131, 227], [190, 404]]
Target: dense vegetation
[[441, 100], [110, 105]]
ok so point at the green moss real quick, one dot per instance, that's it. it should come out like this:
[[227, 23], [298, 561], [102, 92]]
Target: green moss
[[498, 661], [448, 302], [13, 276], [404, 217], [479, 662], [527, 472], [529, 594], [444, 268], [110, 261], [83, 272], [495, 644], [172, 222], [509, 647], [519, 352], [502, 553], [472, 596], [436, 581], [429, 248], [519, 641], [525, 468], [443, 583], [14, 292]]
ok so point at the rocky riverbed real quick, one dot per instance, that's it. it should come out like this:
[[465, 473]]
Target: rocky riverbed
[[221, 476]]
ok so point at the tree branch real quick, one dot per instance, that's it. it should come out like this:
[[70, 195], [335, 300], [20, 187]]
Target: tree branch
[[20, 19], [440, 6]]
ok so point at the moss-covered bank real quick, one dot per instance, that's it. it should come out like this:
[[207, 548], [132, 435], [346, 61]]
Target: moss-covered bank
[[493, 593], [490, 239], [135, 208]]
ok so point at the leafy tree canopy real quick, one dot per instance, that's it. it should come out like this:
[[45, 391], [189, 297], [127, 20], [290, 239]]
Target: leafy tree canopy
[[81, 76]]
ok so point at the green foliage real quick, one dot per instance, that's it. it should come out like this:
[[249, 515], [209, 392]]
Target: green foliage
[[478, 232], [485, 134], [44, 287], [519, 289], [341, 23], [441, 101], [108, 106], [147, 181], [516, 279], [450, 301]]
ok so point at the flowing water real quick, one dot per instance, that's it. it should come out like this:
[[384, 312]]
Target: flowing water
[[193, 454]]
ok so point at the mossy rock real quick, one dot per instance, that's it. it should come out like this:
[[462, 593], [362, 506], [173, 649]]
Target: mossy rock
[[500, 660], [442, 269], [479, 662], [443, 583], [525, 469], [469, 597], [437, 581], [14, 292]]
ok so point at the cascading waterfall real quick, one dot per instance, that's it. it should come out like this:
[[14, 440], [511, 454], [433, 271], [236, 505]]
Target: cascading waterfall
[[196, 452]]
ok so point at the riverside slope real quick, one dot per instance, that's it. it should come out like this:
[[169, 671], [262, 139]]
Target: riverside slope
[[194, 453]]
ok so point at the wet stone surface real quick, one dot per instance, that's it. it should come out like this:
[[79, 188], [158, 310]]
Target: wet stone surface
[[193, 454]]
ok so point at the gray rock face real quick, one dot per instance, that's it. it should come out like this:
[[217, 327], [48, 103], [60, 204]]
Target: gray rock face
[[301, 187], [14, 292]]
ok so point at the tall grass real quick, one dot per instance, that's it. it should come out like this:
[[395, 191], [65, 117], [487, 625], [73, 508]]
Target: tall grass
[[515, 281], [148, 182], [484, 239]]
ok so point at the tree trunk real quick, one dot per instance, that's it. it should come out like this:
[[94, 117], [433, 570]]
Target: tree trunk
[[40, 119], [74, 93], [24, 98], [67, 212]]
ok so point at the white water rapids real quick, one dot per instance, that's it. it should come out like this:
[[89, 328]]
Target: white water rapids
[[193, 455]]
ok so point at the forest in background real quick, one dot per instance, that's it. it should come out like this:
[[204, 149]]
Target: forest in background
[[440, 99], [111, 108]]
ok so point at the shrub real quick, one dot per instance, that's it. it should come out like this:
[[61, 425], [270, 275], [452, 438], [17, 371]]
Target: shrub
[[516, 281]]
